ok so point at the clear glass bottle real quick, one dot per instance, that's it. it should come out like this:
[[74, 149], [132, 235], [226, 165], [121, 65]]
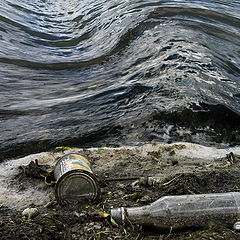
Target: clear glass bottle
[[183, 211]]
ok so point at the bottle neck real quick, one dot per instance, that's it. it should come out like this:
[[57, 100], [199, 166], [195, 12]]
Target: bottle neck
[[137, 215], [134, 215]]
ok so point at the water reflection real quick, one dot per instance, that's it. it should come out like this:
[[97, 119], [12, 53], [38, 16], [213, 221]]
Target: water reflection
[[71, 68]]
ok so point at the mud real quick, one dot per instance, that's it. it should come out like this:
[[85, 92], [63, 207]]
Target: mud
[[171, 175]]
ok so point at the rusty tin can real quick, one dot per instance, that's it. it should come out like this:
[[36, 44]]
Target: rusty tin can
[[75, 180]]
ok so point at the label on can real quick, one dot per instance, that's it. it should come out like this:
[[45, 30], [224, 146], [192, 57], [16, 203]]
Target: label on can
[[74, 161], [75, 180]]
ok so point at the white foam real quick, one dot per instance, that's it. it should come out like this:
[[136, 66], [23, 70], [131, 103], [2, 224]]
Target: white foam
[[196, 151], [9, 194], [189, 150]]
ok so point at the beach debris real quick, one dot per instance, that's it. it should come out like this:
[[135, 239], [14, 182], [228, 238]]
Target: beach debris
[[148, 181], [30, 212], [75, 181], [230, 159], [183, 211], [49, 179], [34, 170]]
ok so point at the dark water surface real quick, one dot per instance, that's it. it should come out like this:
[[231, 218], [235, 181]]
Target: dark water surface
[[118, 72]]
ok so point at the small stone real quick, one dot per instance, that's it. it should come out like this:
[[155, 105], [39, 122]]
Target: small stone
[[30, 212], [237, 226], [143, 181], [151, 181], [119, 193], [145, 199], [97, 227]]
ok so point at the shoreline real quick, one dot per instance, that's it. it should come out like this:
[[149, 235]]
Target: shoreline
[[179, 168]]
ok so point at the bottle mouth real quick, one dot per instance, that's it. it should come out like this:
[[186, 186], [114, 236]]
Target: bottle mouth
[[119, 215]]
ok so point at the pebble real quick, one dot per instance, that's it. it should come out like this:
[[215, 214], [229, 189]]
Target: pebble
[[148, 181], [151, 181], [97, 227], [145, 199], [79, 215], [143, 181], [237, 226], [30, 212]]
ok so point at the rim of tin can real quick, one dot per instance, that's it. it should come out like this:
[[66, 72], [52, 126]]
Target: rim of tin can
[[86, 176]]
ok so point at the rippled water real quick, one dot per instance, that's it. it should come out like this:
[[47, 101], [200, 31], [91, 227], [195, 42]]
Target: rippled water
[[101, 72]]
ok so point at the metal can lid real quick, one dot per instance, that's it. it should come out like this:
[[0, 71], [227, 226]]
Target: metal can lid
[[77, 186]]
